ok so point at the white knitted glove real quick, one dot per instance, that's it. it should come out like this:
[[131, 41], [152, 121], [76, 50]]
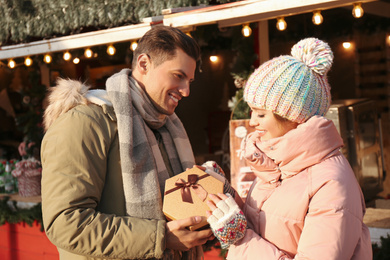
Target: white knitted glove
[[227, 222], [216, 171]]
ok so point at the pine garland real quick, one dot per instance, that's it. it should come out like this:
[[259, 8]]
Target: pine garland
[[239, 107], [30, 121], [382, 252], [13, 214], [26, 20]]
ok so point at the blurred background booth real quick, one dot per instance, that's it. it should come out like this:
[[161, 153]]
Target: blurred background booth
[[360, 127]]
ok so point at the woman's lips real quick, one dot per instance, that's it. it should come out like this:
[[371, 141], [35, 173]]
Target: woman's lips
[[260, 132]]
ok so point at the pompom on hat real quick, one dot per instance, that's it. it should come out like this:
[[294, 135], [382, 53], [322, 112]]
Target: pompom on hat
[[294, 87]]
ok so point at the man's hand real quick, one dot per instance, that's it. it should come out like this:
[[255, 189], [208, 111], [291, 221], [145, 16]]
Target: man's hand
[[178, 237]]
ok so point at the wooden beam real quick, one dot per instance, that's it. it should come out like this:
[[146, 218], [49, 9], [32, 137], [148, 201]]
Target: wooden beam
[[224, 15], [251, 11], [378, 8], [263, 42]]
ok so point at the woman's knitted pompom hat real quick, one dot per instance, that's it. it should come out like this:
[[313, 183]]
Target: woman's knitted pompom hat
[[294, 87]]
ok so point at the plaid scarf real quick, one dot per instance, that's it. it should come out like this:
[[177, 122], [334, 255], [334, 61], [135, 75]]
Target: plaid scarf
[[144, 175]]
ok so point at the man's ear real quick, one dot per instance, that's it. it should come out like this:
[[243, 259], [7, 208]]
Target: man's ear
[[143, 63]]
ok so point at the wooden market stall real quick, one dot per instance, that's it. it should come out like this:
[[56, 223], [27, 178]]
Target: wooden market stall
[[25, 242]]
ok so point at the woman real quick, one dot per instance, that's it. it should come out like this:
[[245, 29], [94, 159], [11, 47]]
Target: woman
[[305, 202]]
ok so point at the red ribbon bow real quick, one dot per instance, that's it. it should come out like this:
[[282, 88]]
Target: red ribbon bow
[[191, 183]]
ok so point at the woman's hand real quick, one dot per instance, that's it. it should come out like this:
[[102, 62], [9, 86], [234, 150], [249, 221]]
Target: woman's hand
[[214, 170], [226, 220]]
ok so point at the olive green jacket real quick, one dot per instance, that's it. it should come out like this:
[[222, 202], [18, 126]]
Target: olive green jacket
[[82, 191]]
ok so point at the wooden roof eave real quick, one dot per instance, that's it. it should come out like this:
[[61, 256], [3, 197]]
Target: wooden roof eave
[[224, 15]]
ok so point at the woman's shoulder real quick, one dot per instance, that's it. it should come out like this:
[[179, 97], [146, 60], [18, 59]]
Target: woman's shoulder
[[333, 182], [335, 168]]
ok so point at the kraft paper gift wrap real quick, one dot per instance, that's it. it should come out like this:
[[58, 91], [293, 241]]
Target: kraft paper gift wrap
[[186, 195]]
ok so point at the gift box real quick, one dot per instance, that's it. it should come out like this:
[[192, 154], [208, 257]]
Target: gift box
[[186, 195]]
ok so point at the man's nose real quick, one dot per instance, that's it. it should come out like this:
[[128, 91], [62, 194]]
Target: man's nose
[[185, 89]]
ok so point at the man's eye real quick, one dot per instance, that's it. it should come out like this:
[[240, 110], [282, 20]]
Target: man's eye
[[179, 76]]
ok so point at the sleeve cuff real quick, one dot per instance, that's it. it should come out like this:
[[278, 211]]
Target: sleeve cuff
[[160, 239]]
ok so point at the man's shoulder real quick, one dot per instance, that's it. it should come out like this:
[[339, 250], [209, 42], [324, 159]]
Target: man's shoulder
[[93, 112], [84, 115]]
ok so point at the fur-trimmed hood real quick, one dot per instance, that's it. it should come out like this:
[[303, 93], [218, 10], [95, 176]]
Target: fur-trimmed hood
[[70, 93]]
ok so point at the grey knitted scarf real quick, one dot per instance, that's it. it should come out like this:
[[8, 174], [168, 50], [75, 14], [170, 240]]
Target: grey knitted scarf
[[143, 169]]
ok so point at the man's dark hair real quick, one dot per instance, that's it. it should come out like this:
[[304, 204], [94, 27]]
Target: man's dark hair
[[161, 43]]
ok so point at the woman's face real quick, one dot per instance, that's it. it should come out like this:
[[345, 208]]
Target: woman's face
[[267, 125]]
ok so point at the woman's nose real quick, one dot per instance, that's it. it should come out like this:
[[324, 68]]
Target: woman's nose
[[253, 121]]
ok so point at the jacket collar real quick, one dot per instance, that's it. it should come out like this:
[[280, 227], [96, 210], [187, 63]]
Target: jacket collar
[[310, 143]]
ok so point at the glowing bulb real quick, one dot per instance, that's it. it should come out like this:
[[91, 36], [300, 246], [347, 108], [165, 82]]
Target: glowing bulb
[[11, 64], [213, 58], [134, 45], [88, 53], [47, 58], [281, 24], [67, 56], [246, 30], [347, 45], [111, 50], [357, 10], [76, 60], [28, 61], [317, 18]]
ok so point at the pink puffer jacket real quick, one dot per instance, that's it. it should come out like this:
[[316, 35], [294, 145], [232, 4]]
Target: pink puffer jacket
[[305, 202]]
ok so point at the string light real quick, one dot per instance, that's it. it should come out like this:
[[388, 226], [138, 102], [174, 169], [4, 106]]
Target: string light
[[11, 64], [76, 60], [246, 30], [281, 24], [67, 56], [28, 61], [88, 53], [357, 10], [111, 50], [47, 58], [213, 58], [347, 45], [133, 45], [317, 18]]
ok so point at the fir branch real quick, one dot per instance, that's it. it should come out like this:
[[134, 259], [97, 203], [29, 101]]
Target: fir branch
[[13, 214], [382, 252], [23, 20]]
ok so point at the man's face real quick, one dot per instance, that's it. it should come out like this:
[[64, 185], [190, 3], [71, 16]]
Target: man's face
[[170, 81]]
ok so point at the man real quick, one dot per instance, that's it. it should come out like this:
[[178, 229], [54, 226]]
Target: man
[[106, 156]]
